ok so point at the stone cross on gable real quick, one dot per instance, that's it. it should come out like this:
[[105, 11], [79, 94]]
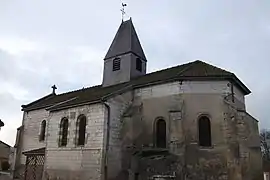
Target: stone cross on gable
[[54, 88]]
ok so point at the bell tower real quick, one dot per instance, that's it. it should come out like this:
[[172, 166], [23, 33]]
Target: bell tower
[[125, 58]]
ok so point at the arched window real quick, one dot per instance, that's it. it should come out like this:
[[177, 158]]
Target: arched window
[[204, 131], [63, 132], [81, 129], [161, 133], [42, 131]]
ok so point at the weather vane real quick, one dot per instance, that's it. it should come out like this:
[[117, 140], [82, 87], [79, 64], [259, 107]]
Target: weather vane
[[123, 10]]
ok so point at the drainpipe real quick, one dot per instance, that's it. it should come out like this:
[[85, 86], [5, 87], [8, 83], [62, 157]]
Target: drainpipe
[[105, 161]]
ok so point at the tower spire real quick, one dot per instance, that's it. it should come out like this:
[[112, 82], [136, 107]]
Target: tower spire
[[125, 41], [125, 58]]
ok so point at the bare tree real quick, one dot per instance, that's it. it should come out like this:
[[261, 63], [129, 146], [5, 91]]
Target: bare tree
[[265, 144]]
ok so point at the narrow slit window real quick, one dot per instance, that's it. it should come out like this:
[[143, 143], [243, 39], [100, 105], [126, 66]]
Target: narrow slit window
[[81, 129], [139, 64], [116, 64], [42, 131], [205, 139]]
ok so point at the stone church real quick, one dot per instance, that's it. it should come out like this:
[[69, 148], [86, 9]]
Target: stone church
[[187, 122]]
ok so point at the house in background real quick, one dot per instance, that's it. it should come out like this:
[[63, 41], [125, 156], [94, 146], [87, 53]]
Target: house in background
[[4, 153], [184, 122]]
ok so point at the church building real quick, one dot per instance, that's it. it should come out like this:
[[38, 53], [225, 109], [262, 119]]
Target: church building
[[187, 122]]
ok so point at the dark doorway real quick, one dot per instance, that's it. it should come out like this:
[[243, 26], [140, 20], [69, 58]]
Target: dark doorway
[[161, 133], [204, 132]]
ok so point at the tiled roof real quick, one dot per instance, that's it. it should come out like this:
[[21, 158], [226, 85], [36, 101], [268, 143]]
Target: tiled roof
[[196, 70]]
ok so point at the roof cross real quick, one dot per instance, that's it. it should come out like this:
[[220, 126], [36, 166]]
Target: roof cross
[[54, 88]]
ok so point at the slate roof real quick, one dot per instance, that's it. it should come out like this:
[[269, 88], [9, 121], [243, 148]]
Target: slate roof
[[125, 41], [196, 70]]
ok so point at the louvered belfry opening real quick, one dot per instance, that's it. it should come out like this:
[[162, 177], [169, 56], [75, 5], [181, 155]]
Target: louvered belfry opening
[[116, 64], [161, 133]]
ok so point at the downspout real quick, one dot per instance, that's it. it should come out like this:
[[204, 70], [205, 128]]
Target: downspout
[[105, 160]]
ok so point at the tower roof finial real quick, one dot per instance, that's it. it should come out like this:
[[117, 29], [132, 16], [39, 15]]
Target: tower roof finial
[[123, 10]]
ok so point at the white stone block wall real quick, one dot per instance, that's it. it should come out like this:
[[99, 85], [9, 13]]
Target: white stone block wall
[[32, 126], [73, 158]]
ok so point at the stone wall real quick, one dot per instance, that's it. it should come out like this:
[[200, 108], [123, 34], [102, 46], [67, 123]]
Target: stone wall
[[249, 140], [180, 104], [118, 106], [32, 126], [72, 161]]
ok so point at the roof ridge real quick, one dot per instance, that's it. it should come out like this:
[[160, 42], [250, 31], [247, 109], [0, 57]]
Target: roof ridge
[[190, 65], [214, 66]]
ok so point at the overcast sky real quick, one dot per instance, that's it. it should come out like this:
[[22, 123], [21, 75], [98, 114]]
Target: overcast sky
[[63, 42]]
